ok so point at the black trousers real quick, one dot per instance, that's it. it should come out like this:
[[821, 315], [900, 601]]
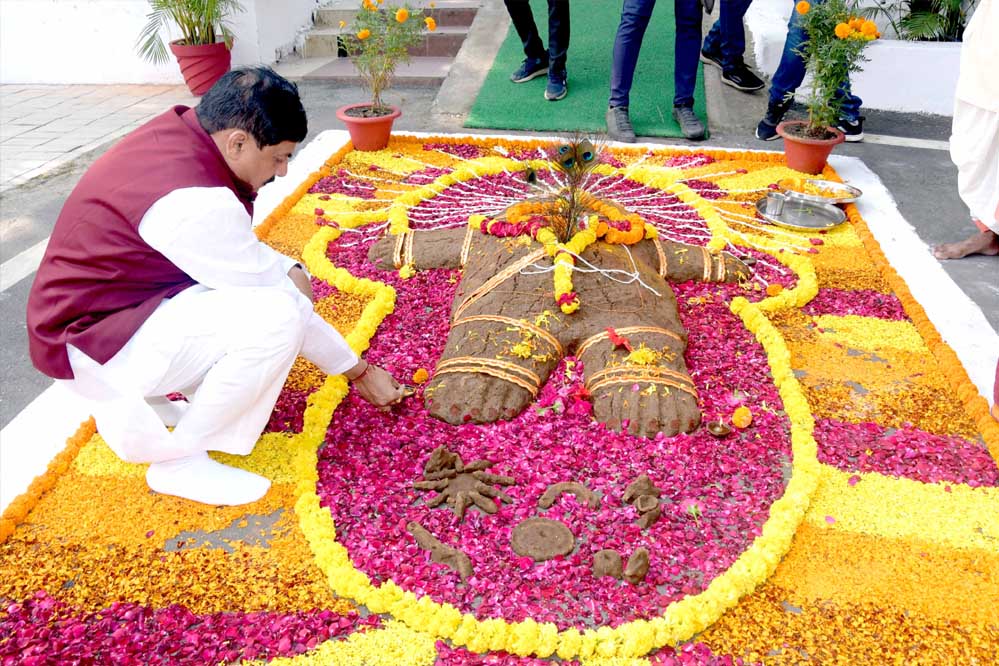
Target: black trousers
[[558, 32]]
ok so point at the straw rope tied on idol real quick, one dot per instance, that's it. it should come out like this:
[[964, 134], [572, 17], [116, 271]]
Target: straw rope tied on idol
[[561, 219]]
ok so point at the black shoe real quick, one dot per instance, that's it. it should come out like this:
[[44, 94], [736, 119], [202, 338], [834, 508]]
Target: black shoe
[[712, 58], [690, 125], [619, 124], [742, 78], [529, 69], [556, 88], [767, 129], [854, 130]]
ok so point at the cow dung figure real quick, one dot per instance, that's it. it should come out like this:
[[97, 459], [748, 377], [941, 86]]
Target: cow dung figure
[[507, 334]]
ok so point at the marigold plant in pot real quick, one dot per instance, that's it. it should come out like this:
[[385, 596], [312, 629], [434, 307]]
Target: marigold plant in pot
[[203, 51], [378, 40], [836, 41]]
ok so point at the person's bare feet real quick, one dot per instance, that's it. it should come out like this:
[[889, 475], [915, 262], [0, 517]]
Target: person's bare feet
[[983, 242]]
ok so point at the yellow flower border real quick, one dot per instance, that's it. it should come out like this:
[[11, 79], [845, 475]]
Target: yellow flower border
[[682, 619]]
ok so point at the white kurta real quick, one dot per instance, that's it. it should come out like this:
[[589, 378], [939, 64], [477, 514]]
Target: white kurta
[[227, 343], [974, 141]]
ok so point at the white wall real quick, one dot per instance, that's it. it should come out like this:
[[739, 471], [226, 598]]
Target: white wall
[[93, 41], [901, 75]]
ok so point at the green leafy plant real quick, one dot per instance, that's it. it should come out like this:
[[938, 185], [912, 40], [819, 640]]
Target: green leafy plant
[[837, 37], [199, 21], [379, 38], [924, 20]]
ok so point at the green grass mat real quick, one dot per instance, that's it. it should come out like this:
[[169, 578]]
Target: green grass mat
[[502, 104]]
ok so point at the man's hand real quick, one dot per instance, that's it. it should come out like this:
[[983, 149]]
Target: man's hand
[[302, 281], [375, 385]]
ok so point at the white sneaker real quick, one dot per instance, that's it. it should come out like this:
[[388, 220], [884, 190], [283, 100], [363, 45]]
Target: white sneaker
[[201, 479]]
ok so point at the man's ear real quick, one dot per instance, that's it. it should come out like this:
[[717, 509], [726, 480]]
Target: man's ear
[[235, 142]]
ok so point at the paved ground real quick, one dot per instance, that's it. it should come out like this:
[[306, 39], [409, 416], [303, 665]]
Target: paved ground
[[50, 134]]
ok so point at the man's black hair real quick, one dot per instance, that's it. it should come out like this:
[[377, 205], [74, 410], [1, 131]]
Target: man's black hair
[[257, 100]]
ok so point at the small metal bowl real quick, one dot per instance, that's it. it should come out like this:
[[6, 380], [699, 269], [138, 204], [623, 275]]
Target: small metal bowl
[[719, 429], [851, 193]]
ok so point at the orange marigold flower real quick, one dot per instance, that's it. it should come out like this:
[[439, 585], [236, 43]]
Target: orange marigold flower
[[870, 28], [843, 30], [802, 7], [742, 417], [856, 23], [774, 288], [431, 23], [363, 34], [420, 376], [368, 4], [401, 15]]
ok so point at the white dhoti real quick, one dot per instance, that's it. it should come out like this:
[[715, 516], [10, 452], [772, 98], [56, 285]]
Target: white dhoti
[[974, 148], [228, 350]]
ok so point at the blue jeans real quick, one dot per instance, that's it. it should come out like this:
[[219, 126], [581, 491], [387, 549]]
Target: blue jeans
[[635, 15], [558, 32], [791, 72], [727, 36]]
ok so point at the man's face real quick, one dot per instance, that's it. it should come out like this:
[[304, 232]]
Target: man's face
[[254, 165]]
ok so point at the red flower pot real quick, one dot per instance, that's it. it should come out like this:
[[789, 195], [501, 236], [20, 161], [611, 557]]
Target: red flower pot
[[368, 133], [202, 65], [803, 153]]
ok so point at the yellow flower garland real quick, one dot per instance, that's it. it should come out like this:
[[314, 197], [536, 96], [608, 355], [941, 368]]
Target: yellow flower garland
[[681, 620]]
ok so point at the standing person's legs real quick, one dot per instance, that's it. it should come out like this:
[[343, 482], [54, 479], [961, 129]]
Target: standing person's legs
[[635, 15], [974, 148], [558, 46], [686, 51], [785, 81], [558, 36], [536, 56]]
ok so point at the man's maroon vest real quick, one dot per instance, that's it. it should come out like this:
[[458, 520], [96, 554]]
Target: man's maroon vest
[[99, 281]]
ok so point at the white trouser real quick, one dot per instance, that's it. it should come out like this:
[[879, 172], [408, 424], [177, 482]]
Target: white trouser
[[974, 148], [228, 350]]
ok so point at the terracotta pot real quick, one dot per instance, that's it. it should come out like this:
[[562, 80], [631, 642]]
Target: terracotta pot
[[368, 133], [202, 65], [805, 154]]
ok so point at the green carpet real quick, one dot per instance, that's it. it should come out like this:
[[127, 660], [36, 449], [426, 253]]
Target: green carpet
[[502, 104]]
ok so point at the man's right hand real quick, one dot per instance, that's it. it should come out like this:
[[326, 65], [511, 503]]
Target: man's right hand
[[376, 385]]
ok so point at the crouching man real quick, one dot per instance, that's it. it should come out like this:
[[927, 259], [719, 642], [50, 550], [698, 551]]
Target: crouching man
[[154, 283]]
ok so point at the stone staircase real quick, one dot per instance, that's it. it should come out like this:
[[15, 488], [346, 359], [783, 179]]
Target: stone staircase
[[429, 63]]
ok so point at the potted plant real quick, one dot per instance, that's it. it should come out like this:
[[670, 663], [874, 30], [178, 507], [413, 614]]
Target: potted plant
[[836, 42], [379, 38], [203, 51], [924, 20]]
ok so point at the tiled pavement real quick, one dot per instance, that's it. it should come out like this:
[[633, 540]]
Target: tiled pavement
[[45, 126]]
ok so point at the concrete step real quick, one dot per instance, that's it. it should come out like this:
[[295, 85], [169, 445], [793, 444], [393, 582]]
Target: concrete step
[[445, 41], [445, 12], [418, 72]]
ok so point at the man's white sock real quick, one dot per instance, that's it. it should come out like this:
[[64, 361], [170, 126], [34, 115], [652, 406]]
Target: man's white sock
[[201, 479]]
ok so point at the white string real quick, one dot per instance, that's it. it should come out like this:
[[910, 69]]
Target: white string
[[590, 268]]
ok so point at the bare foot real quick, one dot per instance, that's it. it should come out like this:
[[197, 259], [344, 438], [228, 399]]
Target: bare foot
[[984, 242]]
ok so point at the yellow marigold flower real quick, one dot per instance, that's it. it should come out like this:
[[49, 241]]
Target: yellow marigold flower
[[407, 271], [431, 23], [802, 7], [363, 34], [742, 417], [343, 24], [642, 356], [870, 28], [420, 376], [843, 30], [401, 15]]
